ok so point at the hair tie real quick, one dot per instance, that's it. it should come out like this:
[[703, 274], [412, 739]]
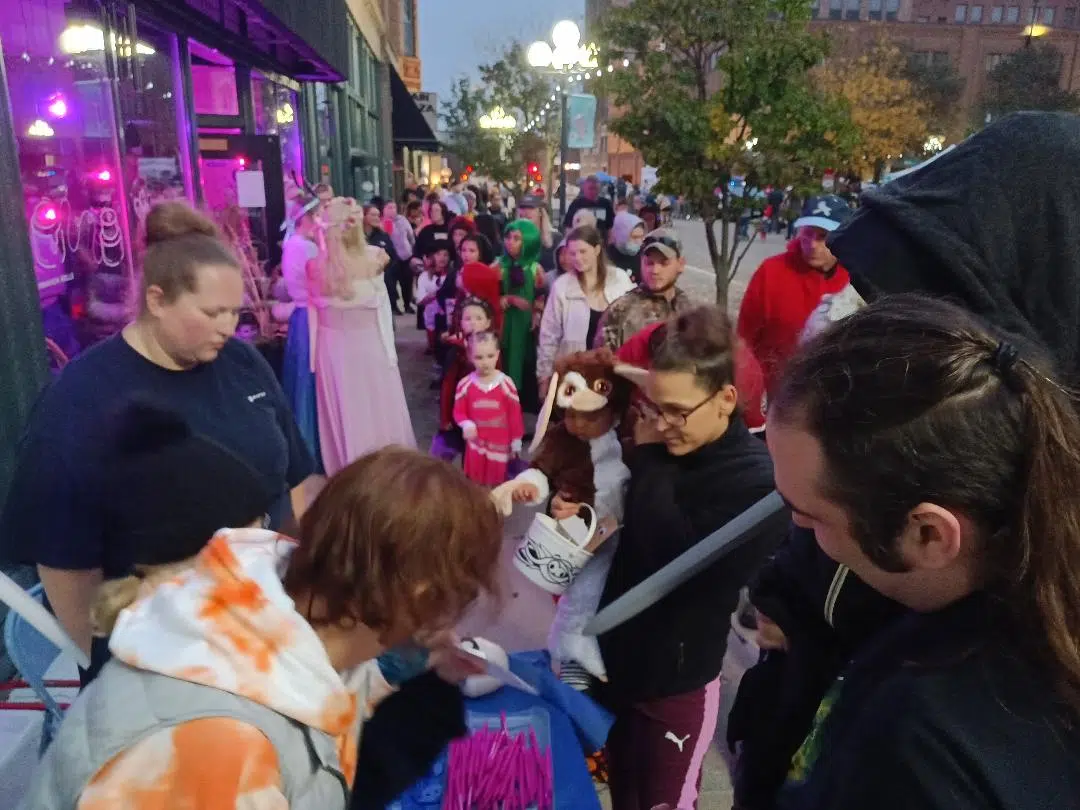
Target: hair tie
[[1004, 358]]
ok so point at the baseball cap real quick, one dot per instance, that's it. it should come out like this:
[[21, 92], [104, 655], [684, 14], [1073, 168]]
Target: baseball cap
[[828, 212], [664, 240]]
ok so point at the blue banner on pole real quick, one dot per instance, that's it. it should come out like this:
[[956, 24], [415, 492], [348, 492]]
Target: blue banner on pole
[[581, 110]]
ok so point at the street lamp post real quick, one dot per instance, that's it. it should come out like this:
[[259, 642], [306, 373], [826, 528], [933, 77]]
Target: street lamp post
[[567, 56]]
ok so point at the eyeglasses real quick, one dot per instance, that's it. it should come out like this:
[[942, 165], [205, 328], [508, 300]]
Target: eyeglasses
[[665, 240], [675, 420]]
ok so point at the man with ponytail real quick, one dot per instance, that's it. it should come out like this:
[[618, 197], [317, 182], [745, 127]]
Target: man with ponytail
[[940, 465], [990, 226]]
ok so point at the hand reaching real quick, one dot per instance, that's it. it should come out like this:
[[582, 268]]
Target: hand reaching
[[468, 430], [525, 493]]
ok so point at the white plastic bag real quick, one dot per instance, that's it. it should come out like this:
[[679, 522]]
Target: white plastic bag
[[566, 639]]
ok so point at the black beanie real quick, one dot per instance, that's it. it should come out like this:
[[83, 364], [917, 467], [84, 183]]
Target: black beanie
[[167, 490]]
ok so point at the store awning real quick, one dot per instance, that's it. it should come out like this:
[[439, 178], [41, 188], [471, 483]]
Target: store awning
[[409, 126]]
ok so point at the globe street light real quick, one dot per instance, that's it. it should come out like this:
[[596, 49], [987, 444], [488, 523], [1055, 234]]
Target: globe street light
[[499, 119], [567, 56]]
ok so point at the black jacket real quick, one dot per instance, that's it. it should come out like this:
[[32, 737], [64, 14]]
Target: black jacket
[[826, 613], [601, 208], [992, 225], [432, 238], [673, 502], [630, 263], [404, 738], [939, 711], [381, 239]]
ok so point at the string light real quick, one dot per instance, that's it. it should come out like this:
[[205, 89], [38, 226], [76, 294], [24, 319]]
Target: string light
[[575, 78]]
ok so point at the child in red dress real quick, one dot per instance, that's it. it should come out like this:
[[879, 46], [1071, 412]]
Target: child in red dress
[[487, 408], [473, 315]]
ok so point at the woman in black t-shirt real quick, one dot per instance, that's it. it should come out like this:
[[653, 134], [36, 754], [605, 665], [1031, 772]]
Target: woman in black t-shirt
[[180, 350]]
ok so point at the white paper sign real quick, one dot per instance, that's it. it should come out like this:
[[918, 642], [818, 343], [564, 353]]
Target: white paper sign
[[250, 190]]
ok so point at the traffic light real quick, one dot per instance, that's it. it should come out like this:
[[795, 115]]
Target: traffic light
[[469, 169], [534, 169]]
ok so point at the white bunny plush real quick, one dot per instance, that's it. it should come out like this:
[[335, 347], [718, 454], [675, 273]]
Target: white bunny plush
[[479, 685]]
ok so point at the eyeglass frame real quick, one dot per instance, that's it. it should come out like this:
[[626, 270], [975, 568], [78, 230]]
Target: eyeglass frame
[[655, 413]]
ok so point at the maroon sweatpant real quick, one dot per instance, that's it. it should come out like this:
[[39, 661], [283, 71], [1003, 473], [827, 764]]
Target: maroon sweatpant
[[656, 749]]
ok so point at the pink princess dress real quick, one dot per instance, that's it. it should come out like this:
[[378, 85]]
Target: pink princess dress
[[361, 400]]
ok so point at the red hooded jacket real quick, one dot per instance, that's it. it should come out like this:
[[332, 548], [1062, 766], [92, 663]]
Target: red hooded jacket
[[782, 294]]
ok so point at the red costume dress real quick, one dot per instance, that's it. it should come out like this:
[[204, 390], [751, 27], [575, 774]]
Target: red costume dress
[[494, 409]]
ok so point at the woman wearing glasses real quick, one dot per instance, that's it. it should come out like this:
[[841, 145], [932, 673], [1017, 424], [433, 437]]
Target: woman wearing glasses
[[694, 468]]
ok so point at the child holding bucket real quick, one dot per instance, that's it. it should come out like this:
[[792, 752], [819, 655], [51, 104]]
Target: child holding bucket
[[488, 410]]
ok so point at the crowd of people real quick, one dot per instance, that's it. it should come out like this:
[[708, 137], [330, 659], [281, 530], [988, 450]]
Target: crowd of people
[[913, 363]]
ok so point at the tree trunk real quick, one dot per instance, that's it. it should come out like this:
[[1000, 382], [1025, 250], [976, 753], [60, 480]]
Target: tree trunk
[[717, 257]]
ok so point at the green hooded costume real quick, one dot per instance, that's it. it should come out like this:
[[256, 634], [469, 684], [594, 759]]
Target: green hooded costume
[[517, 340]]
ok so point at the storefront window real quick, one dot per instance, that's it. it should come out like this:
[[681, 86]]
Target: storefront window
[[277, 112], [326, 131], [215, 88], [82, 194]]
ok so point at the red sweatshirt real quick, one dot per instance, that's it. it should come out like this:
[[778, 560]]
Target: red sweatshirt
[[782, 294], [748, 380]]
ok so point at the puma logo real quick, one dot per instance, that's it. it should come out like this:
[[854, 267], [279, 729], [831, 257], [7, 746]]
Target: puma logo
[[671, 736]]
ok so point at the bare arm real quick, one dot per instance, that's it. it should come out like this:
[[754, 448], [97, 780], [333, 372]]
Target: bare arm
[[70, 595]]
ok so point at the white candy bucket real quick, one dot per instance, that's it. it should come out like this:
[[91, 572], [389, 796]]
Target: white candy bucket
[[548, 558]]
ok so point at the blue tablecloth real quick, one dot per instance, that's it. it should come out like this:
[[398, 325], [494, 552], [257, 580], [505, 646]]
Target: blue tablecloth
[[574, 725]]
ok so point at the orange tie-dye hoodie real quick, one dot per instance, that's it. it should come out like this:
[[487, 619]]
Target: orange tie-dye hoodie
[[228, 623]]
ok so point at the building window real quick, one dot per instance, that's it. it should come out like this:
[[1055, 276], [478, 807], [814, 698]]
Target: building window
[[851, 9], [1048, 15], [975, 16], [836, 9], [1012, 15], [997, 13], [815, 8], [940, 59], [961, 13], [1068, 19], [409, 26], [892, 9], [921, 19], [875, 9], [993, 60]]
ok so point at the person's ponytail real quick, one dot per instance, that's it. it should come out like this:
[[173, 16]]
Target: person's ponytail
[[1047, 528]]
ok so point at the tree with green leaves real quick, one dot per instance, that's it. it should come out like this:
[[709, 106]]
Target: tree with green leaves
[[939, 85], [718, 90], [512, 85], [484, 149], [1029, 79], [890, 117]]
